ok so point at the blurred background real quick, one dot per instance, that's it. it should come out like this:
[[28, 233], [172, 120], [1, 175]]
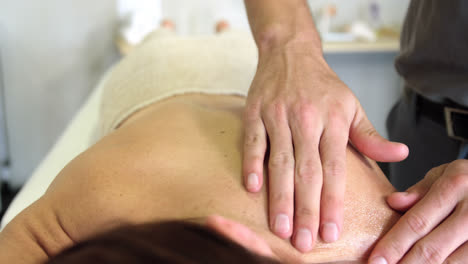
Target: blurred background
[[53, 52]]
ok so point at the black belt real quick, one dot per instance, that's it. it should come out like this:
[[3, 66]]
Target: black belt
[[450, 115]]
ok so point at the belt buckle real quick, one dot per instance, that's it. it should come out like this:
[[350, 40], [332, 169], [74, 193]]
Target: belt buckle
[[449, 122]]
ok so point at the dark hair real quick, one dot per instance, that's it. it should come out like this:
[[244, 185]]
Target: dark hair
[[163, 242]]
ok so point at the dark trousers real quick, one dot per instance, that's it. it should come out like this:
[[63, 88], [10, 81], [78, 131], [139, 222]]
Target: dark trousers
[[427, 140]]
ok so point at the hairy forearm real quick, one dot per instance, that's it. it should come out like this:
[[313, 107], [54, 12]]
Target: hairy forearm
[[275, 23]]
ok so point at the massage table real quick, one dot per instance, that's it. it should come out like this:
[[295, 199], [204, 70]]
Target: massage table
[[79, 134]]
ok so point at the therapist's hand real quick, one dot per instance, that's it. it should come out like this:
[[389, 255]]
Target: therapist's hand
[[434, 228], [308, 115]]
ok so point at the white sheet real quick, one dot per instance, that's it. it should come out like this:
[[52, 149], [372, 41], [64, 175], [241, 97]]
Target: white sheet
[[77, 137]]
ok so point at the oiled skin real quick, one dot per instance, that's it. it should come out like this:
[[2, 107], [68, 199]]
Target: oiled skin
[[180, 159]]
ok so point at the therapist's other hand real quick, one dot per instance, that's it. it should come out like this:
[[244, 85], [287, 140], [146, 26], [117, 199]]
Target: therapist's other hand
[[308, 114], [434, 228]]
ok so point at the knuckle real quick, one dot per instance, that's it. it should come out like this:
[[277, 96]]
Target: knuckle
[[370, 132], [307, 172], [338, 113], [275, 110], [434, 173], [253, 139], [335, 115], [428, 253], [307, 214], [332, 200], [450, 188], [460, 164], [251, 113], [459, 181], [250, 117], [418, 224], [283, 198], [445, 194], [334, 168], [305, 110], [394, 249], [282, 159], [343, 105], [253, 107]]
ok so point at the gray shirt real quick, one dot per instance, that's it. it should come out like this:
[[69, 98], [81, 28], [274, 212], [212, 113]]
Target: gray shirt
[[434, 49]]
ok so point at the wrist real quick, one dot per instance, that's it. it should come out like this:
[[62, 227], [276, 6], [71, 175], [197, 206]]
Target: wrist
[[279, 38], [295, 47]]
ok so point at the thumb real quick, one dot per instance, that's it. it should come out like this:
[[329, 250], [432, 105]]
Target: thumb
[[369, 142], [403, 201]]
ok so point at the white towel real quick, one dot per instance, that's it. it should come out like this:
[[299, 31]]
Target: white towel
[[167, 65]]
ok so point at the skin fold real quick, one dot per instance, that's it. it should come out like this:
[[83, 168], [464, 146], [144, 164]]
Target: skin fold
[[181, 159]]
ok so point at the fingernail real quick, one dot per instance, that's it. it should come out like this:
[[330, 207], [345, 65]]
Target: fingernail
[[252, 181], [379, 260], [329, 232], [303, 240], [282, 224]]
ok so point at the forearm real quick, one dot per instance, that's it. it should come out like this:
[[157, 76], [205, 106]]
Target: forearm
[[275, 23]]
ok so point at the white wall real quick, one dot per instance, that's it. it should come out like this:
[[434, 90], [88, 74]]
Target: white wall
[[53, 53], [392, 12], [373, 79], [199, 16]]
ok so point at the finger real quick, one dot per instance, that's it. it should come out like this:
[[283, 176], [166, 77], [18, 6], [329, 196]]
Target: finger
[[281, 173], [402, 201], [416, 223], [255, 145], [307, 179], [333, 154], [440, 243], [459, 256], [367, 140]]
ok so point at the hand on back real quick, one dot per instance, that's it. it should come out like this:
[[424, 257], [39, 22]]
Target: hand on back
[[301, 108]]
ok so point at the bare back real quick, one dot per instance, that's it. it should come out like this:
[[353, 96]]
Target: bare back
[[181, 159]]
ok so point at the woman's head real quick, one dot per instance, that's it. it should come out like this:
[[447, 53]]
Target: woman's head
[[170, 242]]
